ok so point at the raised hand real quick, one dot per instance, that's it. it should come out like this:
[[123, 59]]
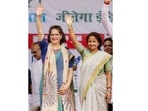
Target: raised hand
[[69, 20], [40, 9]]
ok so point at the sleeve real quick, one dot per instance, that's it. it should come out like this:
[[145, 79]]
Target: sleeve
[[71, 60], [43, 45], [29, 81], [105, 19], [81, 49], [108, 66], [29, 76]]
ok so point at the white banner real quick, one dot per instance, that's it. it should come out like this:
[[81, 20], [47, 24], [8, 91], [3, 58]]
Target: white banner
[[86, 13]]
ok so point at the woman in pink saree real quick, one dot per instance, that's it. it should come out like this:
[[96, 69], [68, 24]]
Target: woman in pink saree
[[95, 72]]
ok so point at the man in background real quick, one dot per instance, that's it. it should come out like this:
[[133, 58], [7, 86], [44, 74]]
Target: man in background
[[108, 47], [36, 72]]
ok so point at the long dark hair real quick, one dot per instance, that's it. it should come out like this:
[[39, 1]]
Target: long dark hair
[[57, 27]]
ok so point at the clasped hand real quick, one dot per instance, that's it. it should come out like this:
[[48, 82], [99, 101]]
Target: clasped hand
[[63, 89]]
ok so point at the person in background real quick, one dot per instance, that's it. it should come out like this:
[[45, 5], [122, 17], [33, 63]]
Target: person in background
[[108, 42], [76, 81], [58, 61], [29, 90], [95, 73], [105, 18], [36, 72], [108, 47]]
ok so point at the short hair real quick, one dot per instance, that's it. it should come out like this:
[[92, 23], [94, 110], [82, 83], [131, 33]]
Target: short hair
[[108, 39], [97, 36]]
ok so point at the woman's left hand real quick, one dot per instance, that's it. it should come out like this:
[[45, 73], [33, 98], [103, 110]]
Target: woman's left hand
[[63, 90], [108, 95]]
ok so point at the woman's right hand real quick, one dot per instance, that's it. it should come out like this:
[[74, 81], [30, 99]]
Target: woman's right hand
[[40, 9], [69, 20]]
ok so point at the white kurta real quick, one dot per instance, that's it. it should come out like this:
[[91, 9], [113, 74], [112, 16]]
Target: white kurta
[[105, 20], [36, 72]]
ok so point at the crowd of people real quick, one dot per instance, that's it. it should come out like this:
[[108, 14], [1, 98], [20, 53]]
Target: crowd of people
[[51, 75]]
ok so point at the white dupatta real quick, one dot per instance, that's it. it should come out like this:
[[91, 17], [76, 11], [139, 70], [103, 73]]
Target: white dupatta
[[89, 71]]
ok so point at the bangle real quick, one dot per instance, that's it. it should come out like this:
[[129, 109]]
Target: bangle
[[109, 91], [109, 87], [70, 28]]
